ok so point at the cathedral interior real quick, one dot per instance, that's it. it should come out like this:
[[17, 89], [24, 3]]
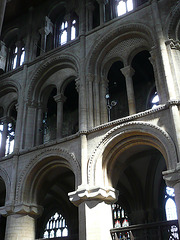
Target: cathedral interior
[[89, 119]]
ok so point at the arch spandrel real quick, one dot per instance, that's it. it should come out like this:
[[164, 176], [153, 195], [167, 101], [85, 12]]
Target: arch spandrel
[[33, 170], [124, 135], [117, 35]]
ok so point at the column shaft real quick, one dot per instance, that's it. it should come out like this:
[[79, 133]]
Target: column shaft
[[128, 72], [4, 137], [20, 227], [2, 11], [95, 220]]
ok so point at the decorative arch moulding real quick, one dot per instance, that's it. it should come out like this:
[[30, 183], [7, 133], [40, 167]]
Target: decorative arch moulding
[[164, 141]]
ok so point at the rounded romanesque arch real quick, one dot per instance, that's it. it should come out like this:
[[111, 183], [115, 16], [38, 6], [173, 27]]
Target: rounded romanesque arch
[[173, 23], [47, 68], [4, 178], [119, 37], [52, 157], [122, 137]]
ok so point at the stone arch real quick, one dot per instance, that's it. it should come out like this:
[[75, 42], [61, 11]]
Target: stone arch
[[7, 182], [8, 84], [116, 35], [173, 23], [9, 93], [33, 169], [124, 134], [49, 67]]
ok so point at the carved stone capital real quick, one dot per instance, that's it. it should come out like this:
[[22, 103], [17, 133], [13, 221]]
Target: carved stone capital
[[172, 177], [60, 98], [88, 193], [127, 71], [173, 44], [77, 83], [22, 209]]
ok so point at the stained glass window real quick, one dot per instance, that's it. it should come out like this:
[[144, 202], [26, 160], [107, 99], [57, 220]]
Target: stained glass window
[[56, 227], [120, 218]]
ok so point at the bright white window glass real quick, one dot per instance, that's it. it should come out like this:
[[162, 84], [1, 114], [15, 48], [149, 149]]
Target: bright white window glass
[[46, 234], [64, 33], [65, 232], [121, 8], [73, 33], [171, 213], [170, 207], [14, 62], [22, 57], [129, 5], [155, 100], [52, 234], [58, 233]]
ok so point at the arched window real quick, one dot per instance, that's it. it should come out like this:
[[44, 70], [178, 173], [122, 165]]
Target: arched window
[[56, 227], [17, 56], [170, 205], [120, 218], [124, 6], [63, 33]]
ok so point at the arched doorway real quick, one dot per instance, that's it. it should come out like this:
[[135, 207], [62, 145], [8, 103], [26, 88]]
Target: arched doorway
[[2, 203]]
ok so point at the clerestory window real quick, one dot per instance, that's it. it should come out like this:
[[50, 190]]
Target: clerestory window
[[17, 57], [63, 33], [56, 227], [67, 30], [124, 6]]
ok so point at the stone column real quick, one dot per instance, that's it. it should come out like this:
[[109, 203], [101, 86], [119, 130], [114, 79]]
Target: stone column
[[95, 214], [90, 79], [172, 178], [3, 55], [90, 9], [39, 129], [43, 33], [103, 101], [4, 136], [60, 99], [20, 222], [30, 125], [102, 11], [158, 79], [96, 101], [68, 19], [2, 11], [128, 72]]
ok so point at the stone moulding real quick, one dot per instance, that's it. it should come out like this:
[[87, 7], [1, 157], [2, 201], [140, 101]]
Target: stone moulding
[[5, 177], [136, 28], [128, 128], [43, 154], [23, 209], [48, 64], [108, 195]]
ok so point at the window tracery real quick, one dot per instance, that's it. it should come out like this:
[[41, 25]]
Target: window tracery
[[17, 56], [120, 218], [170, 205], [124, 6], [56, 227]]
